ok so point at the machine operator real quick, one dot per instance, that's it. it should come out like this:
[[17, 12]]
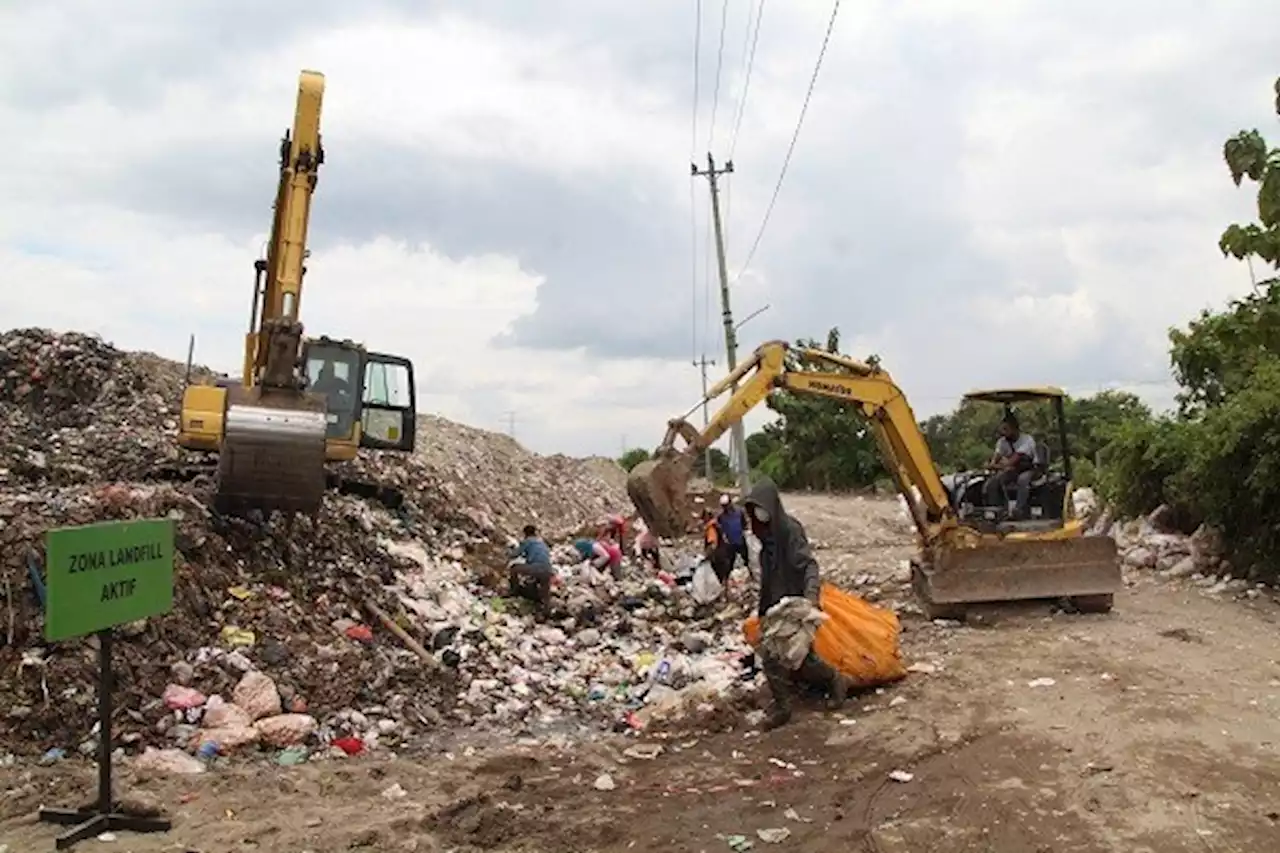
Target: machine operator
[[1014, 464]]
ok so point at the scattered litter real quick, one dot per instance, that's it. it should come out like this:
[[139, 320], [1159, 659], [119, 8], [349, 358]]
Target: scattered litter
[[604, 782], [901, 776], [1041, 682], [792, 814], [644, 751], [774, 836], [395, 792], [739, 843], [922, 668]]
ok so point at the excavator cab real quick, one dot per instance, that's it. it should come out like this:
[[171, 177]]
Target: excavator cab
[[369, 397], [1041, 414]]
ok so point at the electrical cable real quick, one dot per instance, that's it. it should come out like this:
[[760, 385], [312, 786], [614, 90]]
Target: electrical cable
[[786, 162], [746, 82], [693, 198], [715, 97]]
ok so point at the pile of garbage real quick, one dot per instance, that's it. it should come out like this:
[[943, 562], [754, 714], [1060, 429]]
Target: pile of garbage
[[1156, 543], [373, 626]]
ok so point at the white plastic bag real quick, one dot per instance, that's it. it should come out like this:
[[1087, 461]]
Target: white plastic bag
[[706, 587]]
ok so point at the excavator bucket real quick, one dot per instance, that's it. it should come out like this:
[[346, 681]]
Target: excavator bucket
[[1084, 569], [659, 490]]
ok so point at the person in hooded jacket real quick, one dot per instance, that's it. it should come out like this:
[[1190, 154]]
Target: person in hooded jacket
[[787, 568]]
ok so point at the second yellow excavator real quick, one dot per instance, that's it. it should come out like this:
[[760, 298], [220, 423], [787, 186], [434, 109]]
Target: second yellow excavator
[[299, 401], [969, 553]]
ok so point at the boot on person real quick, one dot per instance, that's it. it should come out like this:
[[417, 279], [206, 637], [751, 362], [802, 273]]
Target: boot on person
[[815, 670], [781, 688]]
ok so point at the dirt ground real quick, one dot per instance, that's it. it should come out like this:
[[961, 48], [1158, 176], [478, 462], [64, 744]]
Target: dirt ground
[[1154, 728]]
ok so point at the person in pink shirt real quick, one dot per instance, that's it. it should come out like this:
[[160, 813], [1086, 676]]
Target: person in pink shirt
[[603, 553]]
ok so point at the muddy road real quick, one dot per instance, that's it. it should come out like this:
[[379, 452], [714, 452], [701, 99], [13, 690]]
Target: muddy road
[[1154, 728]]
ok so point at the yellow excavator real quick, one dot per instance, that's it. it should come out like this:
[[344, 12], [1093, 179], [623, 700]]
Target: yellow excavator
[[299, 402], [969, 553]]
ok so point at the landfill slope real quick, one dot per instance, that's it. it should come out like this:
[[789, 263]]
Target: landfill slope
[[84, 427]]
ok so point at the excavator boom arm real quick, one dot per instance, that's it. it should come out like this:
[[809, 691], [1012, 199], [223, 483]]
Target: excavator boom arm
[[275, 333], [902, 446], [299, 171]]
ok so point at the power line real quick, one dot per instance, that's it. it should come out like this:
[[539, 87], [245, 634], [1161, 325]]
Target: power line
[[746, 82], [693, 198], [786, 162], [715, 97]]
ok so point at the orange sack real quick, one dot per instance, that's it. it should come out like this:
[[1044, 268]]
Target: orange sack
[[858, 639]]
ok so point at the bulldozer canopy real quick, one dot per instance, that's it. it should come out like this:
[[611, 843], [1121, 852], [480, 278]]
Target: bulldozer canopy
[[1016, 395]]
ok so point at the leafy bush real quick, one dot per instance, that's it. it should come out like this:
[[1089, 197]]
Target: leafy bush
[[1138, 465]]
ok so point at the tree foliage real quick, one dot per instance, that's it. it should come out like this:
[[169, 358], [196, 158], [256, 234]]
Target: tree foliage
[[816, 443], [633, 457], [965, 438], [1219, 459], [825, 444]]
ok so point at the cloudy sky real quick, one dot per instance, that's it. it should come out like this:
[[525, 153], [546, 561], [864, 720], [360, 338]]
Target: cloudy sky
[[982, 193]]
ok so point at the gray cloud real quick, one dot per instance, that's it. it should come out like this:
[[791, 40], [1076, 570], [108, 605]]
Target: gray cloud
[[873, 229]]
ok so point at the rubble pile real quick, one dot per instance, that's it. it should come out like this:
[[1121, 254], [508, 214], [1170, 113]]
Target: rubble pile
[[366, 627], [1155, 543]]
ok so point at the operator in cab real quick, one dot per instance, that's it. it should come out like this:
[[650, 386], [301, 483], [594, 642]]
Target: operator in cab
[[1014, 463], [327, 382], [787, 568]]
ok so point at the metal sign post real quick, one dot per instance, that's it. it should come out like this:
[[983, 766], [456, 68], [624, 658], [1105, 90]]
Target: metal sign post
[[100, 576]]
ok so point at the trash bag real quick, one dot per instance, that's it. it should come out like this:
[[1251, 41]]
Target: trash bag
[[858, 639], [789, 629], [706, 587]]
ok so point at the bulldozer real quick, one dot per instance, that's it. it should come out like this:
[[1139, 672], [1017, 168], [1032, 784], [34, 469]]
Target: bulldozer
[[299, 402], [969, 553]]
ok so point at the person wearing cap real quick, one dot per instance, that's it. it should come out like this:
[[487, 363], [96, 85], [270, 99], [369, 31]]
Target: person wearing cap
[[787, 568], [733, 524]]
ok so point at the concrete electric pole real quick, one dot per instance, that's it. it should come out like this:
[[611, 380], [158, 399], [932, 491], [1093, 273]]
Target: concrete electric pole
[[711, 173], [703, 363]]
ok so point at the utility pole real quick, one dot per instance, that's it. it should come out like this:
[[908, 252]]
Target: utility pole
[[730, 335], [703, 363], [510, 417]]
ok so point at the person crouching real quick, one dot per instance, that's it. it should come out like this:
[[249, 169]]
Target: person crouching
[[787, 568], [530, 571]]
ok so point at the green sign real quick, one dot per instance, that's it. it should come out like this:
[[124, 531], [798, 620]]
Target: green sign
[[102, 575]]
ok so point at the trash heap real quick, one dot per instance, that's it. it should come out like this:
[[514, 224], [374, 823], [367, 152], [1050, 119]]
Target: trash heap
[[365, 628], [1156, 543]]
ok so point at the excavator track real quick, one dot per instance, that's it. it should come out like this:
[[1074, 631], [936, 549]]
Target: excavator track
[[190, 471]]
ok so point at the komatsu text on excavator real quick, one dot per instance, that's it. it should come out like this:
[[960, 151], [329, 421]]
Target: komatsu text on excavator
[[969, 554], [299, 401]]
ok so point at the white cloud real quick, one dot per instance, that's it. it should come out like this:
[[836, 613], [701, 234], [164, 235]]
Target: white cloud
[[1054, 173]]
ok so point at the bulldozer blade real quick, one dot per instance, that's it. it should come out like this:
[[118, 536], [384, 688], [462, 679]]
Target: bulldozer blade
[[1084, 567], [659, 490]]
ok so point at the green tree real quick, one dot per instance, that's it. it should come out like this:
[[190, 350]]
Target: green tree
[[633, 457], [817, 443], [964, 439], [1219, 459], [719, 466]]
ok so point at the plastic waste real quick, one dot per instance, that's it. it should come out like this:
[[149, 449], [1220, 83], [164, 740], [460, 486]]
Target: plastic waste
[[706, 587]]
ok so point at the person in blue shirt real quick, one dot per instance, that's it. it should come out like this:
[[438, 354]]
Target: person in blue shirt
[[530, 570], [733, 526]]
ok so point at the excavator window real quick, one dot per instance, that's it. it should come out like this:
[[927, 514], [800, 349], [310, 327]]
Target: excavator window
[[388, 413], [333, 370]]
